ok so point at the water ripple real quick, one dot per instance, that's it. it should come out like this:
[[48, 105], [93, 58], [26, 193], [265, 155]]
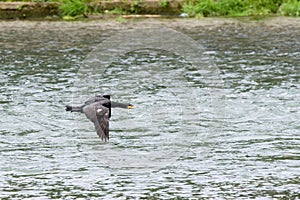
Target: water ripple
[[48, 153]]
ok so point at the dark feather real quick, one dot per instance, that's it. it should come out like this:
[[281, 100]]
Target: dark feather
[[99, 115]]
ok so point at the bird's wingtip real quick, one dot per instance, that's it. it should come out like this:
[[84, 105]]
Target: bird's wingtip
[[107, 96]]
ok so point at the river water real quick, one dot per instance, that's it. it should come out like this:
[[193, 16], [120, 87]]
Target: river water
[[217, 118]]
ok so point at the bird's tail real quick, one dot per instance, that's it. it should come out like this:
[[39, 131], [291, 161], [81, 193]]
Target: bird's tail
[[74, 108]]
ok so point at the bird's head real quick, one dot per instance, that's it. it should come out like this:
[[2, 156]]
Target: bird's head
[[130, 106]]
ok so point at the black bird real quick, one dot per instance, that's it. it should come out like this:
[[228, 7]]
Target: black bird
[[98, 110]]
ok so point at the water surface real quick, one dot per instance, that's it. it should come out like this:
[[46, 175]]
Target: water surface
[[167, 146]]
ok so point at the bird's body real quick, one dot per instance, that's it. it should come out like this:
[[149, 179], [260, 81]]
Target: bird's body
[[98, 110]]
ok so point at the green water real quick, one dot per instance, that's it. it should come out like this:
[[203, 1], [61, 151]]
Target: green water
[[167, 146]]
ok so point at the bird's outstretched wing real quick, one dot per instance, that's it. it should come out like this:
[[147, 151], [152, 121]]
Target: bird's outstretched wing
[[99, 98], [99, 115]]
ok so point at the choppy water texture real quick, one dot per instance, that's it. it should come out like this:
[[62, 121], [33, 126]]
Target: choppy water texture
[[171, 145]]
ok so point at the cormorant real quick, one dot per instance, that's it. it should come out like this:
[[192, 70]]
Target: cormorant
[[98, 110]]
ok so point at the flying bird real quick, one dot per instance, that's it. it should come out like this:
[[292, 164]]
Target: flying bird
[[98, 110]]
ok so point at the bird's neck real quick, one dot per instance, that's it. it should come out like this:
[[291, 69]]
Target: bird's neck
[[118, 105]]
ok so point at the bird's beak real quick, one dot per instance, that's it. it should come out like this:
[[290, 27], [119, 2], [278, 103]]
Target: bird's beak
[[130, 107]]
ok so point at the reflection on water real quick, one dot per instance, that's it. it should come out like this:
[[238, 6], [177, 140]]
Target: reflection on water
[[164, 148]]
